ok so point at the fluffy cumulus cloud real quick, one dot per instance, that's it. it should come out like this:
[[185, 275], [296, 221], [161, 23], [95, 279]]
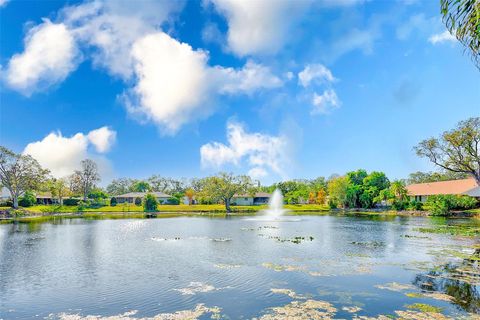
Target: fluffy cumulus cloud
[[258, 27], [62, 155], [326, 102], [315, 72], [102, 138], [175, 82], [49, 56], [443, 37], [111, 27], [262, 153]]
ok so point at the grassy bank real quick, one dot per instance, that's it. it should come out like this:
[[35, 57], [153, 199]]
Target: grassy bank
[[210, 208]]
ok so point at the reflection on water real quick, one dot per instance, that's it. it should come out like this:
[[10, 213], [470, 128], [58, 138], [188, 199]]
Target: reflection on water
[[321, 267]]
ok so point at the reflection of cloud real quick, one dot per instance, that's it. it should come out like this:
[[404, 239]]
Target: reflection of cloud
[[406, 92]]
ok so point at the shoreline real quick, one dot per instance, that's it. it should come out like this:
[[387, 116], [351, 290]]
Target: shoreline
[[101, 215]]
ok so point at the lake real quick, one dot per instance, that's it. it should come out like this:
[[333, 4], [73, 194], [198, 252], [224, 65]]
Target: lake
[[301, 267]]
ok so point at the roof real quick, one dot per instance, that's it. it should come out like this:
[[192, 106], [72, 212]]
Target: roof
[[257, 195], [142, 194], [463, 186], [43, 195]]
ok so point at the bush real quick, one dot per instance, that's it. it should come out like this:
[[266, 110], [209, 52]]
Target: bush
[[70, 202], [138, 201], [173, 201], [113, 202], [415, 205], [6, 203], [441, 205], [332, 204], [27, 200], [399, 205], [150, 203]]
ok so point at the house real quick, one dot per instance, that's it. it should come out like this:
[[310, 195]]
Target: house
[[45, 198], [421, 191], [249, 200], [130, 197], [186, 200]]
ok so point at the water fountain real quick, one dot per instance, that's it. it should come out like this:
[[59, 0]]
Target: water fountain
[[275, 205]]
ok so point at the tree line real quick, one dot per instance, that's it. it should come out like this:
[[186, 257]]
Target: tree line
[[455, 152]]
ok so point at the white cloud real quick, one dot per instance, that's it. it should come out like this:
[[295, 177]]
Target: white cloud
[[315, 72], [259, 27], [102, 138], [175, 83], [50, 54], [262, 152], [112, 26], [3, 3], [248, 79], [257, 173], [326, 102], [62, 155], [445, 36]]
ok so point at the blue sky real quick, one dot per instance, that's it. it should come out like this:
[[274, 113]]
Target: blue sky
[[278, 90]]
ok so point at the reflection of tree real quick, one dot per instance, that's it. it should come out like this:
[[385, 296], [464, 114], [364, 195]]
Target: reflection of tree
[[460, 281]]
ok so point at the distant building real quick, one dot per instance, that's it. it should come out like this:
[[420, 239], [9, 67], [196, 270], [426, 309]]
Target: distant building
[[421, 191], [46, 198], [130, 197], [249, 200]]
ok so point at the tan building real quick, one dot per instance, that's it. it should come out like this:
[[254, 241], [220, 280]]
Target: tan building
[[130, 197], [421, 191]]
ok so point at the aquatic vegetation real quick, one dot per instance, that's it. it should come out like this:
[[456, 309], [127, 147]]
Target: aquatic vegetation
[[227, 266], [352, 309], [296, 239], [199, 311], [288, 292], [198, 287], [424, 307], [421, 315], [370, 244], [308, 310], [454, 230], [394, 286], [432, 295], [280, 267]]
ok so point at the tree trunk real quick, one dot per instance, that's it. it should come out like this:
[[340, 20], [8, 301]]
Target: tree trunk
[[15, 202], [227, 205]]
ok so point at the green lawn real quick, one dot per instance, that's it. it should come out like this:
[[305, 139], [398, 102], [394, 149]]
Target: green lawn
[[181, 208]]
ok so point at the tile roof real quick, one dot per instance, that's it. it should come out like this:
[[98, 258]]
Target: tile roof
[[462, 186], [142, 194]]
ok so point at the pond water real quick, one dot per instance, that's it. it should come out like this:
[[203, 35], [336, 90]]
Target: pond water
[[307, 267]]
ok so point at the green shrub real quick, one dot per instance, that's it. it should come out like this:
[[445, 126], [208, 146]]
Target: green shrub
[[27, 200], [399, 205], [441, 205], [173, 201], [70, 202], [150, 203], [138, 201], [415, 205], [113, 202], [332, 204]]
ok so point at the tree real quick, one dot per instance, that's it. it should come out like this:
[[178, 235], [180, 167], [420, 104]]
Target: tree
[[87, 177], [28, 199], [224, 186], [398, 190], [337, 190], [462, 18], [311, 198], [422, 177], [150, 203], [141, 186], [19, 173], [321, 196], [97, 194], [189, 193], [456, 150], [119, 186], [59, 188]]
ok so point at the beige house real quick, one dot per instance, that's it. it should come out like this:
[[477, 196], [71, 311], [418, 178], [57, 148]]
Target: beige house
[[421, 191], [249, 200], [130, 197]]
